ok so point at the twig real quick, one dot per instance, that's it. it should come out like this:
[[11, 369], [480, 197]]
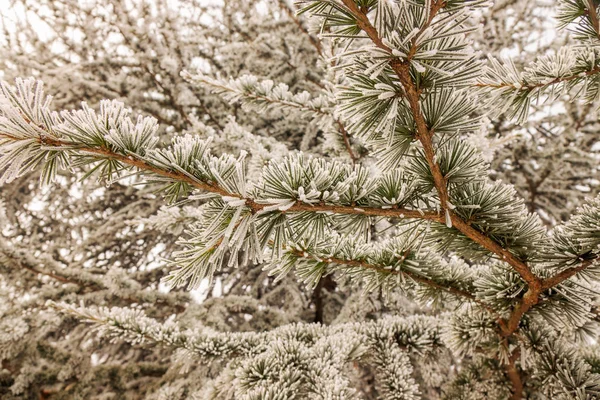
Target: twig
[[566, 274], [415, 277], [530, 87], [290, 13], [50, 274], [346, 141]]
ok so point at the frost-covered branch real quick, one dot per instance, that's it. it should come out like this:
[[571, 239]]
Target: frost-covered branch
[[259, 96], [38, 136], [572, 70], [311, 353], [424, 133], [386, 260]]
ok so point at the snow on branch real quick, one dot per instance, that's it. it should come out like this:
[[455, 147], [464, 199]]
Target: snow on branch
[[298, 353]]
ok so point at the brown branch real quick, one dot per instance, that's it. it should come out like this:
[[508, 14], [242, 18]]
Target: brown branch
[[593, 17], [50, 274], [580, 120], [213, 188], [346, 138], [316, 43], [96, 285], [531, 297], [566, 274], [415, 277], [369, 211], [514, 376], [363, 23], [129, 160]]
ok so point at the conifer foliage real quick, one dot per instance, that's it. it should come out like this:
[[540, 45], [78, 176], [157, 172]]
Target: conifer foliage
[[401, 202]]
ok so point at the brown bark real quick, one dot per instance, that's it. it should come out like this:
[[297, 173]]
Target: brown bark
[[514, 376]]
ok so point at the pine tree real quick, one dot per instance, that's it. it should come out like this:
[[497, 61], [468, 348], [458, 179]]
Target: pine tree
[[397, 200]]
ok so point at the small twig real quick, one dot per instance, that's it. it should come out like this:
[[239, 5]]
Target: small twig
[[50, 274], [346, 141], [530, 87], [316, 43], [566, 274]]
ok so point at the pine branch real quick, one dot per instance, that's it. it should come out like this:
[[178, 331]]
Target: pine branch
[[244, 89], [425, 137], [260, 95], [402, 69], [576, 243], [20, 258], [49, 274], [28, 263], [131, 160], [531, 298], [142, 165], [133, 326], [533, 86], [382, 269], [415, 277], [571, 70]]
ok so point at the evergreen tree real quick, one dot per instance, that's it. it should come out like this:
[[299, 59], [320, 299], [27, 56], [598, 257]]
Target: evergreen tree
[[476, 287]]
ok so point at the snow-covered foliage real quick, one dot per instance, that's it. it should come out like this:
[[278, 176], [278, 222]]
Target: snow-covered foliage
[[381, 178]]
